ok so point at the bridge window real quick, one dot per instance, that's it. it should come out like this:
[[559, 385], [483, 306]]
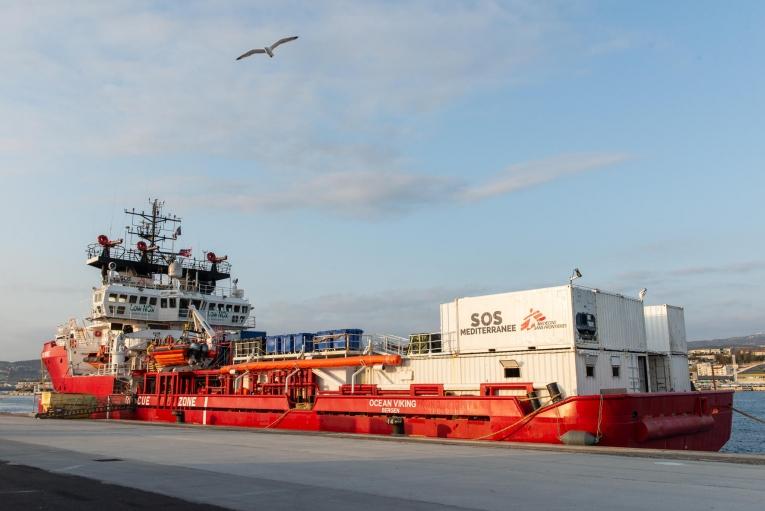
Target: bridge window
[[133, 299], [236, 308], [163, 303], [228, 307], [112, 297], [122, 298], [142, 300], [121, 309], [152, 301], [173, 303]]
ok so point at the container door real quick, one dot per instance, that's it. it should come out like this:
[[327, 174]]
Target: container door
[[643, 374], [658, 373]]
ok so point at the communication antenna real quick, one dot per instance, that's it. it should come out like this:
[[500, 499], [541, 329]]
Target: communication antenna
[[575, 275]]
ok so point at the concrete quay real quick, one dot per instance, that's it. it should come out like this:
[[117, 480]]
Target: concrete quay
[[251, 469]]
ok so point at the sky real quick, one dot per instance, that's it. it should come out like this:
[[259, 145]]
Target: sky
[[394, 157]]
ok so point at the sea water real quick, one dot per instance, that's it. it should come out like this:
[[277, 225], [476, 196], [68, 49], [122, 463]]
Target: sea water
[[748, 436], [17, 404]]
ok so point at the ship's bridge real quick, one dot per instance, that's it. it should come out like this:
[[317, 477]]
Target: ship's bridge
[[168, 305]]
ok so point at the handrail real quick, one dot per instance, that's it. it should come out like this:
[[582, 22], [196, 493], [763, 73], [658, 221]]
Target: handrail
[[133, 255]]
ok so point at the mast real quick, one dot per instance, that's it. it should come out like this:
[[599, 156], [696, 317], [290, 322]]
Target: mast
[[149, 250]]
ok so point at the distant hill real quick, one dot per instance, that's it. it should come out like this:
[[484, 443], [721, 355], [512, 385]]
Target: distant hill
[[754, 340], [23, 370]]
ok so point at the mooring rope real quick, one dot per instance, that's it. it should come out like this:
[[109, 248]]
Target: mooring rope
[[279, 419], [756, 419]]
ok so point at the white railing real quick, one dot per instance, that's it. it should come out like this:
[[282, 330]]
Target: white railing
[[383, 343], [179, 285]]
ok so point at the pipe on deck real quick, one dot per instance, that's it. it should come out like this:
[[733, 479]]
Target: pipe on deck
[[311, 363]]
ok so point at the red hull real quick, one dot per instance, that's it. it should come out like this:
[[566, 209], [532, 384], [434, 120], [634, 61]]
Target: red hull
[[694, 421], [698, 421]]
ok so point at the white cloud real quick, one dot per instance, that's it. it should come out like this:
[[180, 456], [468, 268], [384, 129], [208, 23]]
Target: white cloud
[[523, 175], [378, 194]]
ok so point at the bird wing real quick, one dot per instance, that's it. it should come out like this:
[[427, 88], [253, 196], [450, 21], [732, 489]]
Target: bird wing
[[251, 52], [282, 41]]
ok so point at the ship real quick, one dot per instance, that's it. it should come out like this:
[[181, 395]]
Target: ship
[[173, 338]]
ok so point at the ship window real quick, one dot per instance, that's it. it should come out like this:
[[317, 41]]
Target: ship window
[[112, 297], [163, 303], [184, 303], [111, 309], [236, 308], [512, 368], [197, 303], [210, 305], [116, 326], [235, 319], [244, 308], [512, 372], [173, 303], [121, 309], [122, 298], [133, 299], [220, 306], [615, 371], [228, 307], [590, 370], [142, 300], [152, 301]]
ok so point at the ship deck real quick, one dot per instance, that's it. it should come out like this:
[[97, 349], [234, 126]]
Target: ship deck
[[246, 469]]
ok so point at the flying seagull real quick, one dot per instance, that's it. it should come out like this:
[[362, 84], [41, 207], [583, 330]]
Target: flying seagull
[[269, 50]]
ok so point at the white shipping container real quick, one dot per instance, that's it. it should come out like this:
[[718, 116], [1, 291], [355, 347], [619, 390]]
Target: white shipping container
[[680, 373], [665, 329], [609, 370], [536, 319], [468, 372], [621, 324]]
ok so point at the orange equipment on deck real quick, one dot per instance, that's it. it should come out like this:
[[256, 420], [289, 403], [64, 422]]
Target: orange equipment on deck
[[169, 356], [310, 363]]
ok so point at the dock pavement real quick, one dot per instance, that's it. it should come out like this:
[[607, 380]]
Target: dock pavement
[[80, 464]]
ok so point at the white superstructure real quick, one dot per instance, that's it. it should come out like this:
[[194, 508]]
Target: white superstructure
[[148, 295]]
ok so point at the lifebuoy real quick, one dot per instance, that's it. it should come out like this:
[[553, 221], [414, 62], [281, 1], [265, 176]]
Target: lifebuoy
[[97, 333]]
